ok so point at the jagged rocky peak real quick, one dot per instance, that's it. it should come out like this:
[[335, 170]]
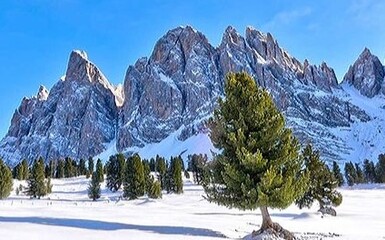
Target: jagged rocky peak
[[268, 48], [321, 76], [367, 75], [81, 69], [177, 45], [42, 94]]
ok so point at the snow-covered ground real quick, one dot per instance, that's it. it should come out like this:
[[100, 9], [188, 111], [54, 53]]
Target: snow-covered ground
[[67, 213]]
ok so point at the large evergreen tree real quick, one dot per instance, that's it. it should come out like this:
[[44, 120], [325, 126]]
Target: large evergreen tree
[[133, 185], [337, 174], [259, 165], [36, 181], [322, 185], [360, 174], [94, 187], [6, 181], [115, 172]]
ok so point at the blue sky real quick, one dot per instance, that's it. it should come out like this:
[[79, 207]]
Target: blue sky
[[36, 36]]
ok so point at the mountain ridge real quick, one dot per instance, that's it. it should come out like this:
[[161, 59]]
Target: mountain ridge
[[175, 90]]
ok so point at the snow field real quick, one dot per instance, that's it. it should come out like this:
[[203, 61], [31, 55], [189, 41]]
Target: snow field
[[67, 213]]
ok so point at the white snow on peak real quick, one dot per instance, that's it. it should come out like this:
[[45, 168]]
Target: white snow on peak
[[119, 95], [43, 93], [81, 53]]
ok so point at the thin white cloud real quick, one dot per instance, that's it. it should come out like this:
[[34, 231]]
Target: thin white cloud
[[368, 13], [288, 17]]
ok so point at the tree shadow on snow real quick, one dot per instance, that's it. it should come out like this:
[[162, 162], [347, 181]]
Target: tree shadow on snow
[[112, 226], [283, 215]]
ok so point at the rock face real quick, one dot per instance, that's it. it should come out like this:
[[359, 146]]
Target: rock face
[[176, 89], [367, 75], [75, 119]]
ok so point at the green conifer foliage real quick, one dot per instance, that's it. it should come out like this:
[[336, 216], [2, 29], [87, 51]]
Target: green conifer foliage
[[380, 169], [176, 175], [259, 166], [115, 172], [337, 174], [25, 171], [322, 185], [60, 169], [155, 191], [6, 181], [94, 187], [148, 178], [36, 182], [350, 173], [369, 171], [90, 166], [161, 168], [82, 167], [134, 185], [99, 170], [69, 169], [196, 165], [49, 186], [19, 172]]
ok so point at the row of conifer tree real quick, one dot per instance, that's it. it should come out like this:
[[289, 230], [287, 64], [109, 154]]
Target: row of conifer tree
[[138, 177]]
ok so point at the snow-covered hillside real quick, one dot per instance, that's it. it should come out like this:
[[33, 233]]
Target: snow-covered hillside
[[67, 213]]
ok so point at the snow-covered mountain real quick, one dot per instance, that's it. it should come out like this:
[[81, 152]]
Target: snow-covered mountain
[[166, 98]]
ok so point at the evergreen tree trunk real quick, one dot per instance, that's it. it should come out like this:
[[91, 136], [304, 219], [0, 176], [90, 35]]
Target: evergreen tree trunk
[[271, 227], [266, 220]]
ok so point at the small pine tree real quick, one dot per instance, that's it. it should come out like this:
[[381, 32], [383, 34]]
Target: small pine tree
[[99, 170], [19, 174], [350, 173], [115, 172], [25, 171], [337, 174], [60, 169], [176, 175], [380, 169], [6, 181], [196, 165], [152, 165], [36, 185], [148, 179], [69, 169], [369, 171], [360, 174], [134, 183], [49, 186], [90, 166], [161, 168], [323, 184], [155, 191], [82, 167], [94, 187]]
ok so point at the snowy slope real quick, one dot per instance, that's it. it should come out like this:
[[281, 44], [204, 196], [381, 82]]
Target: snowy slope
[[67, 213]]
